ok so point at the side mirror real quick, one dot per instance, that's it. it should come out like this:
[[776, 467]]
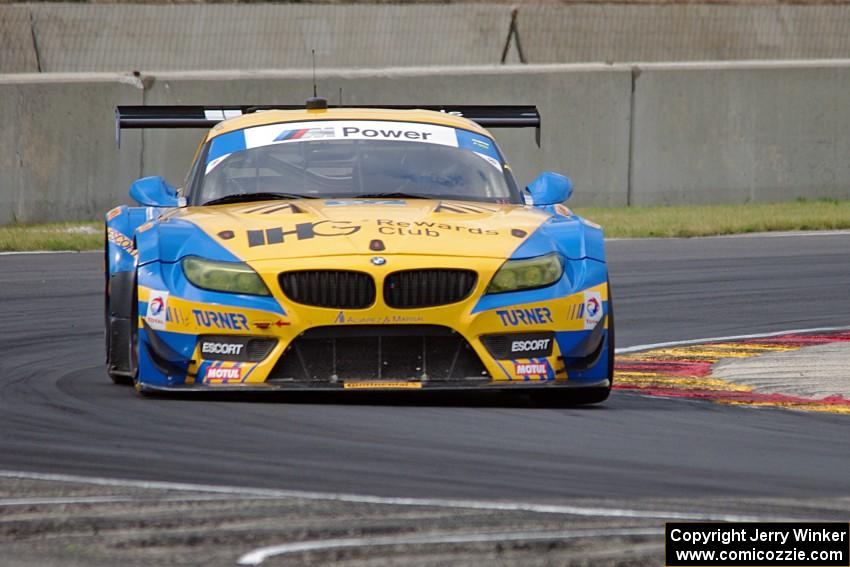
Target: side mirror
[[154, 192], [549, 189]]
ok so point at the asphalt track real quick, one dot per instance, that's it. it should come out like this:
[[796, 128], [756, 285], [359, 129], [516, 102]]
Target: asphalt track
[[61, 414]]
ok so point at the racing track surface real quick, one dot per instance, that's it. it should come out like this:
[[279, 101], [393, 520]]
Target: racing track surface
[[60, 413]]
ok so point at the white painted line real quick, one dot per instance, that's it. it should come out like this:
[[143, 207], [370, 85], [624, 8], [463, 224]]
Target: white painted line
[[784, 234], [61, 501], [257, 556], [638, 348], [495, 505], [778, 234], [50, 252]]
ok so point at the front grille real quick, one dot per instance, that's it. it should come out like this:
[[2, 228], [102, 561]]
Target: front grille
[[428, 288], [337, 289], [378, 352]]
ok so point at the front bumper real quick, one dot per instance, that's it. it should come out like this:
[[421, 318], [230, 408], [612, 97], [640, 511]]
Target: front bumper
[[464, 345]]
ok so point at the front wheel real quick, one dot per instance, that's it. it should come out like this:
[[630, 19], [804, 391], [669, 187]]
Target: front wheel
[[121, 306]]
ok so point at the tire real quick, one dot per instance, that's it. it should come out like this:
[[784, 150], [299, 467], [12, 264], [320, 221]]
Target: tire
[[114, 349], [134, 340]]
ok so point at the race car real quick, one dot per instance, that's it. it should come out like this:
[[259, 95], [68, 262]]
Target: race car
[[317, 248]]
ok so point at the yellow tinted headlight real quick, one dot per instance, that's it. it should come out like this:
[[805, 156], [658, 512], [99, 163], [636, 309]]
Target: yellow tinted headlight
[[231, 277], [515, 275]]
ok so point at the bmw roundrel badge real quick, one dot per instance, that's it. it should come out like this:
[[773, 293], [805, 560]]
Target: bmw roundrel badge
[[378, 260]]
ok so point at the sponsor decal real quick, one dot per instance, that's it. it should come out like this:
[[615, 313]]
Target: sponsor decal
[[301, 231], [530, 316], [219, 320], [343, 319], [121, 241], [513, 346], [428, 228], [592, 309], [113, 213], [386, 132], [532, 368], [382, 385], [480, 143], [523, 346], [223, 375], [157, 310], [306, 134], [347, 130], [221, 348]]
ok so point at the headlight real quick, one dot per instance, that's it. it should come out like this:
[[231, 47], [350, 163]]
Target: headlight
[[515, 275], [232, 277]]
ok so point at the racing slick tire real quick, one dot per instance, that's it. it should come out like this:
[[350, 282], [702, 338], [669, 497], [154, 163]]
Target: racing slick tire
[[121, 325]]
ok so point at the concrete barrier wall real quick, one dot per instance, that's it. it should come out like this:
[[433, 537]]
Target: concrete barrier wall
[[91, 37], [648, 134], [740, 133], [58, 159]]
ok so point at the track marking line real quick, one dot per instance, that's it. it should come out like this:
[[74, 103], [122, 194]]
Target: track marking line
[[257, 556], [639, 348], [770, 234], [62, 501], [501, 506]]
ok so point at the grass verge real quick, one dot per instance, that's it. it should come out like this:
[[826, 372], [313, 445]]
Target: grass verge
[[711, 220], [54, 236], [620, 222]]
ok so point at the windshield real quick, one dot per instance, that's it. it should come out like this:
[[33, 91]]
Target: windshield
[[352, 158]]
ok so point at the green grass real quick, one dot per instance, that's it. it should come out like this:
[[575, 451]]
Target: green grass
[[622, 222], [54, 236], [710, 220]]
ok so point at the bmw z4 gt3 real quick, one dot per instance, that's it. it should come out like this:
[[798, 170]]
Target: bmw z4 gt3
[[355, 248]]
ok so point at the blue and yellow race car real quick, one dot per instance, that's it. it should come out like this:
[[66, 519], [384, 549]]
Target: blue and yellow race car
[[320, 248]]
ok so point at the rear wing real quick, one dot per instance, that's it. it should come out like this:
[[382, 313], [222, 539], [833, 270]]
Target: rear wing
[[490, 116]]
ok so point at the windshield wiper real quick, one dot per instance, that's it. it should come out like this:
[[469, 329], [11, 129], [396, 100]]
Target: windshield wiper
[[391, 196], [249, 197]]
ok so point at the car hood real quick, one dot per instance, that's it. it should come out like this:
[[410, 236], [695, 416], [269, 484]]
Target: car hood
[[330, 227]]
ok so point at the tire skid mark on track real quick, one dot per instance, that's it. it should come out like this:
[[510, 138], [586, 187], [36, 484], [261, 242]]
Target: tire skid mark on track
[[684, 371]]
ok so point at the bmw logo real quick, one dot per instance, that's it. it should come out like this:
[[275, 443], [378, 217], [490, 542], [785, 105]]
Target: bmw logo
[[378, 260]]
